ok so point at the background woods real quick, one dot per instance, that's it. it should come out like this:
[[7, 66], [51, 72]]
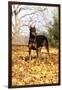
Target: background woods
[[45, 19]]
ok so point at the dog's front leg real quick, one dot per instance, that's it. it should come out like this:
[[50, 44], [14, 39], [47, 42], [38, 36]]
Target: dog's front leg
[[37, 54]]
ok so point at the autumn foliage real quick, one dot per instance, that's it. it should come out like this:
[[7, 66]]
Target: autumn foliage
[[33, 72]]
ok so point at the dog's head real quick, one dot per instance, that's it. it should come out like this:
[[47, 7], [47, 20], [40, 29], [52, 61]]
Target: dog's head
[[32, 30]]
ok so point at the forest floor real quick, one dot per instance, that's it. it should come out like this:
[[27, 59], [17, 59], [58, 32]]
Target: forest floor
[[33, 72]]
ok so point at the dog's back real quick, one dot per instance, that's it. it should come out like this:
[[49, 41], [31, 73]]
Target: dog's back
[[41, 40]]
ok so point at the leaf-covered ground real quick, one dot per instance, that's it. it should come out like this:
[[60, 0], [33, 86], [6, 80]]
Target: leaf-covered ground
[[31, 72]]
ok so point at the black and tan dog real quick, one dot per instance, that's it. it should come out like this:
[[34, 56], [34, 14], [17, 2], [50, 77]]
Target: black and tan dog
[[36, 42]]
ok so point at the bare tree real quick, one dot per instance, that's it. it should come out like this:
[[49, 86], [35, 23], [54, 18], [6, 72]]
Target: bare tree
[[19, 20]]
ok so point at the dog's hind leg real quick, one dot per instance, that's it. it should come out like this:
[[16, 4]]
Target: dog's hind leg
[[38, 53], [47, 48], [29, 54]]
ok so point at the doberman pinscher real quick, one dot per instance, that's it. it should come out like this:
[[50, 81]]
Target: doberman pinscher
[[36, 42]]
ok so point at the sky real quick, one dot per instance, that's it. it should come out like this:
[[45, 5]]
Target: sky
[[40, 19]]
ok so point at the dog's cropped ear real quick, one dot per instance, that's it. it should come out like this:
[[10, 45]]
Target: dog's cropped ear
[[30, 27]]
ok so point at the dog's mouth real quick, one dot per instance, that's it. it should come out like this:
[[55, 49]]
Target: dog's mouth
[[34, 34]]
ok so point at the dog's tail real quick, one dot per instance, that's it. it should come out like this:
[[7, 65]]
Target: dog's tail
[[47, 45]]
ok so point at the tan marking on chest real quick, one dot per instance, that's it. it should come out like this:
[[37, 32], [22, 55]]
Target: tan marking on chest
[[33, 45]]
